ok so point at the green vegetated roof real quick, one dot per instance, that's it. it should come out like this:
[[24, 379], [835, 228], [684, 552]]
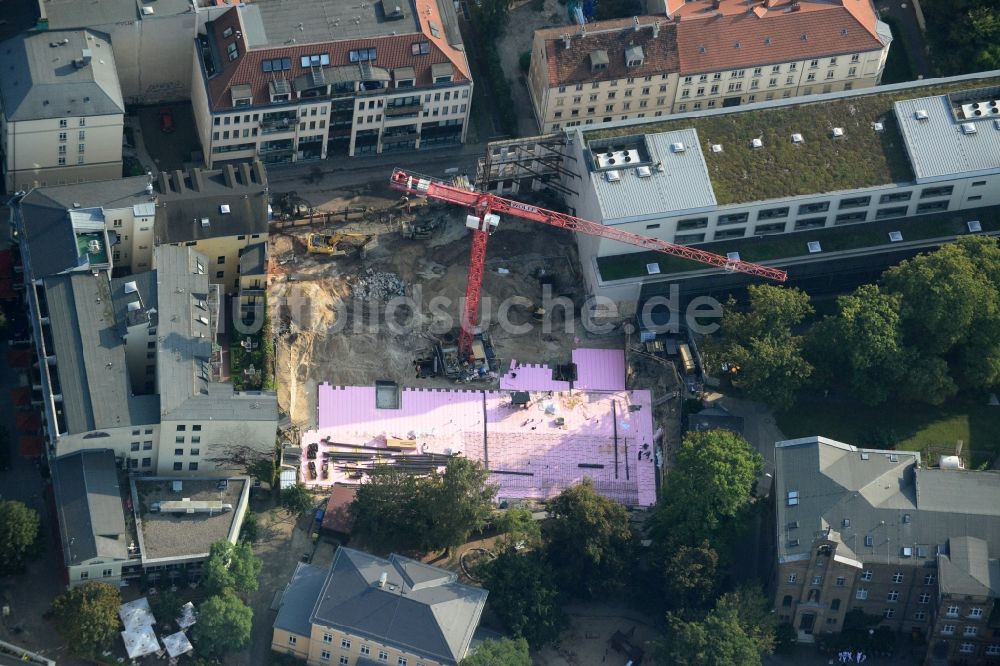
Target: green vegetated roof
[[821, 163], [788, 245]]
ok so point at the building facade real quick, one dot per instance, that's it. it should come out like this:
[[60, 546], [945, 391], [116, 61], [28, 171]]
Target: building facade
[[875, 531], [685, 180], [390, 79], [369, 610], [62, 110], [703, 55]]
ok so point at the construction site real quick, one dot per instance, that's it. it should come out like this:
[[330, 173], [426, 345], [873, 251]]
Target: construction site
[[380, 359]]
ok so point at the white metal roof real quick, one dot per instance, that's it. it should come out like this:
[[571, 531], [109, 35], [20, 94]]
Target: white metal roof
[[938, 147]]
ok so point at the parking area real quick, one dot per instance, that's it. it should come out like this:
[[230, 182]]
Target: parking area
[[168, 150]]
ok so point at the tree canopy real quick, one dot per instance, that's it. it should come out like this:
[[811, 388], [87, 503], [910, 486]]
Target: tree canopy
[[523, 594], [504, 652], [296, 499], [964, 35], [517, 526], [690, 576], [87, 617], [224, 624], [19, 529], [232, 567], [713, 475], [590, 542], [395, 510], [759, 341]]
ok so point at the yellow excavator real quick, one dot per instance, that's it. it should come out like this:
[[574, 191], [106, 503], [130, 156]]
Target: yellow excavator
[[340, 244]]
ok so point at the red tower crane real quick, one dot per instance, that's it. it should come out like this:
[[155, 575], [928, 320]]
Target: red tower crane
[[486, 208]]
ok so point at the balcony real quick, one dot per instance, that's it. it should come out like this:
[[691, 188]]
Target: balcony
[[274, 123], [403, 111]]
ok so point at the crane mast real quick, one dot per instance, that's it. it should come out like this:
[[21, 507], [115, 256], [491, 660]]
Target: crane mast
[[487, 207]]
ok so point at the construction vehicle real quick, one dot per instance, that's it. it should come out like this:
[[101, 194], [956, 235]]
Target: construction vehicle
[[487, 208], [420, 229], [339, 244]]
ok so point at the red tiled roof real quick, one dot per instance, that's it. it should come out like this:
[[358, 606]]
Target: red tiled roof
[[394, 51], [31, 447], [775, 37], [20, 358], [20, 396], [572, 65], [337, 517], [766, 34]]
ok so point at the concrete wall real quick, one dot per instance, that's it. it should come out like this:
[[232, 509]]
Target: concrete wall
[[96, 571], [32, 151], [201, 441], [137, 443], [226, 272], [287, 642], [136, 248], [325, 640]]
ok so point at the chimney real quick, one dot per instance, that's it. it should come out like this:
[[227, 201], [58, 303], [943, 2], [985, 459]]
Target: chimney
[[567, 40], [382, 578], [85, 57], [656, 29], [635, 23], [197, 180], [229, 174], [716, 4], [163, 182], [259, 174], [179, 181], [245, 173]]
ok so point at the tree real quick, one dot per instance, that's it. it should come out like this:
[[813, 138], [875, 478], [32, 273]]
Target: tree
[[19, 529], [862, 345], [262, 468], [523, 596], [589, 541], [490, 17], [224, 623], [517, 526], [296, 499], [232, 567], [735, 633], [689, 577], [504, 652], [390, 510], [87, 617], [166, 605], [714, 473], [249, 530], [460, 502], [759, 341]]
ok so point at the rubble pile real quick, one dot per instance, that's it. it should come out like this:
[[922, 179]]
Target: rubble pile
[[378, 285]]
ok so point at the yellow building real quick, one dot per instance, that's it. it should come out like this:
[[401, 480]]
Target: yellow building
[[700, 55], [367, 610]]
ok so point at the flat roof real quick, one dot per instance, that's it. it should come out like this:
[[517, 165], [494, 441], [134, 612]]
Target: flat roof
[[76, 14], [945, 143], [313, 21], [821, 163], [165, 535], [683, 183]]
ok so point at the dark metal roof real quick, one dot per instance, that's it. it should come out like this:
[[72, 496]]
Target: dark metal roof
[[89, 504]]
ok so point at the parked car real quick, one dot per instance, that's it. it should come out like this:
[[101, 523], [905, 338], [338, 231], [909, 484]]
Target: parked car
[[166, 121]]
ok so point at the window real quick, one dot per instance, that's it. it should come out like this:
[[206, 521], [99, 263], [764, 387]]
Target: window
[[852, 71], [817, 580], [324, 655], [361, 55], [847, 218], [854, 202], [792, 578], [929, 192], [764, 229], [196, 428], [195, 452], [892, 596], [220, 274], [193, 467], [841, 581], [63, 123], [401, 661], [819, 207], [345, 644], [693, 223], [147, 445], [919, 615], [733, 218], [993, 650], [883, 213], [344, 660], [786, 602], [930, 579], [147, 462], [952, 611], [383, 655], [366, 650], [835, 604], [970, 631], [966, 648], [932, 207], [897, 577], [925, 598], [106, 573], [976, 612], [889, 613], [84, 575], [894, 197], [862, 593], [178, 466], [715, 90], [947, 629], [814, 63], [810, 223], [178, 452], [684, 239], [135, 446], [866, 575]]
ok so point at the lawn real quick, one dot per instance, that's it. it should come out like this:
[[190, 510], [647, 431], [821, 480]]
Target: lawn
[[861, 158], [788, 245], [932, 431]]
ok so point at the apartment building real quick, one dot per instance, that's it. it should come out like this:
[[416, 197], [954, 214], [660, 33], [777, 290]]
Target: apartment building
[[727, 179], [253, 279], [62, 109], [700, 55], [876, 531], [369, 610], [309, 81]]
